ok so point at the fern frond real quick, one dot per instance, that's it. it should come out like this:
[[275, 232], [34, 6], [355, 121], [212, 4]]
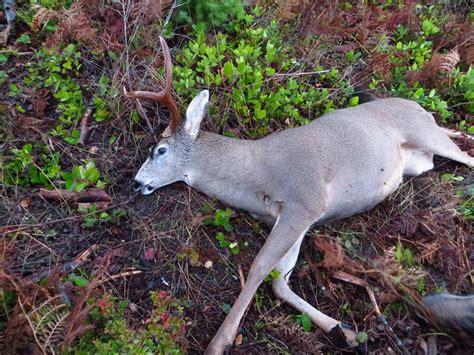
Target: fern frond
[[48, 323], [450, 60]]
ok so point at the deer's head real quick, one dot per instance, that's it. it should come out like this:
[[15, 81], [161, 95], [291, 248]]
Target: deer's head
[[168, 160]]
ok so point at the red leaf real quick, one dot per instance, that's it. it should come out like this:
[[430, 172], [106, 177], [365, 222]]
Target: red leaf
[[149, 254]]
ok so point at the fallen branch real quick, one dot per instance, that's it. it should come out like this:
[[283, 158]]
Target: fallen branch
[[85, 129], [90, 195]]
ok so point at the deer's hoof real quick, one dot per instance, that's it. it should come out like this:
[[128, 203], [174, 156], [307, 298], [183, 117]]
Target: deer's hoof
[[344, 337], [218, 347], [455, 312]]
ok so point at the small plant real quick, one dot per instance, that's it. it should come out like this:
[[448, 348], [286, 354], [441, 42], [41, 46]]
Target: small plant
[[78, 280], [362, 337], [404, 256], [27, 169], [191, 254], [82, 176], [448, 177], [244, 63], [93, 217], [7, 301], [273, 275], [162, 334], [221, 219], [345, 308], [304, 321], [14, 90], [24, 39], [224, 243], [206, 13]]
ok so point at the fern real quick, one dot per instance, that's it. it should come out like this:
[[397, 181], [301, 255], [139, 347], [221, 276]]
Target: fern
[[48, 323]]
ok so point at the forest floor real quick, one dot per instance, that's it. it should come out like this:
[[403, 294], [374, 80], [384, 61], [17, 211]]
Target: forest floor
[[87, 265]]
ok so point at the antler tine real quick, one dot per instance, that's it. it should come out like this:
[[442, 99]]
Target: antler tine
[[164, 96]]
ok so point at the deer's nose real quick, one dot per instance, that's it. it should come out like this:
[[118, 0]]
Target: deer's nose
[[137, 185]]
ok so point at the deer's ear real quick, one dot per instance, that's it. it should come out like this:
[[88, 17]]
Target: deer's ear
[[195, 113]]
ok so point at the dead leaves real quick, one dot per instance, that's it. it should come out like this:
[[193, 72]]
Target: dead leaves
[[75, 23], [49, 303], [334, 256], [39, 101]]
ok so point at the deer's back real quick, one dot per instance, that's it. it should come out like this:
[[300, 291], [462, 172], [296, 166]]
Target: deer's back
[[354, 154]]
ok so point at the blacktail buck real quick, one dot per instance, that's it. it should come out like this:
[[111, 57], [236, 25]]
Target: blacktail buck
[[341, 164]]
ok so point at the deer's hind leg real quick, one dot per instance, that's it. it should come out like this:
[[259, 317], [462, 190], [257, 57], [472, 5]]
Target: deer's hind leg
[[282, 290], [436, 140]]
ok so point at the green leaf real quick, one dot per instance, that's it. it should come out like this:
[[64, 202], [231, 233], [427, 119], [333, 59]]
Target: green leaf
[[260, 114], [81, 186], [3, 76], [92, 175], [418, 93], [24, 38], [234, 248], [76, 172], [451, 177], [399, 253], [269, 71], [228, 69], [470, 130], [305, 322], [78, 280], [362, 337], [354, 101]]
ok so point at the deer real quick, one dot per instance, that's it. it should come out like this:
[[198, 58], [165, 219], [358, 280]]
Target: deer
[[341, 164]]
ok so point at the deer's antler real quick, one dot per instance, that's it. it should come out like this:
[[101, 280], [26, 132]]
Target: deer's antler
[[164, 96]]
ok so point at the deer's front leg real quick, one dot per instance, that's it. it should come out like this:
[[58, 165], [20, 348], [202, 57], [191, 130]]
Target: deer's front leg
[[286, 232]]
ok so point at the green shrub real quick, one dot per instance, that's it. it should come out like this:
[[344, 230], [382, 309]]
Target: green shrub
[[245, 65], [206, 13], [162, 333]]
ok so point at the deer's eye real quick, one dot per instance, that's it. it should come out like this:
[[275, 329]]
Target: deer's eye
[[162, 150]]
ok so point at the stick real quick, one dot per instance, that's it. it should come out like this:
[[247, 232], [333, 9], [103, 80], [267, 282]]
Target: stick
[[241, 276], [122, 274], [344, 276], [84, 123], [90, 195]]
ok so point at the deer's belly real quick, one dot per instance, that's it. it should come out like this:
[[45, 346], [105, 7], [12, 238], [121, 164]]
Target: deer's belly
[[416, 161], [363, 191]]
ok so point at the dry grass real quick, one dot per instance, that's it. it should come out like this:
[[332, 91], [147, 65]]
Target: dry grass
[[421, 215]]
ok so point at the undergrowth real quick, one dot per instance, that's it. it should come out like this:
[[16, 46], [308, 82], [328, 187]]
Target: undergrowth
[[162, 332], [264, 74]]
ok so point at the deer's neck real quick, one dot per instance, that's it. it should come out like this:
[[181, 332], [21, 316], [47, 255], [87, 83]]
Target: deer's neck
[[224, 168]]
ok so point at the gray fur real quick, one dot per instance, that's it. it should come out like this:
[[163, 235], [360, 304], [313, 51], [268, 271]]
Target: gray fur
[[341, 164]]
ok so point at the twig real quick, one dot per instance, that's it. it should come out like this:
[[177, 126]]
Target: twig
[[85, 129], [241, 276], [302, 73], [121, 275], [344, 276], [143, 114]]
